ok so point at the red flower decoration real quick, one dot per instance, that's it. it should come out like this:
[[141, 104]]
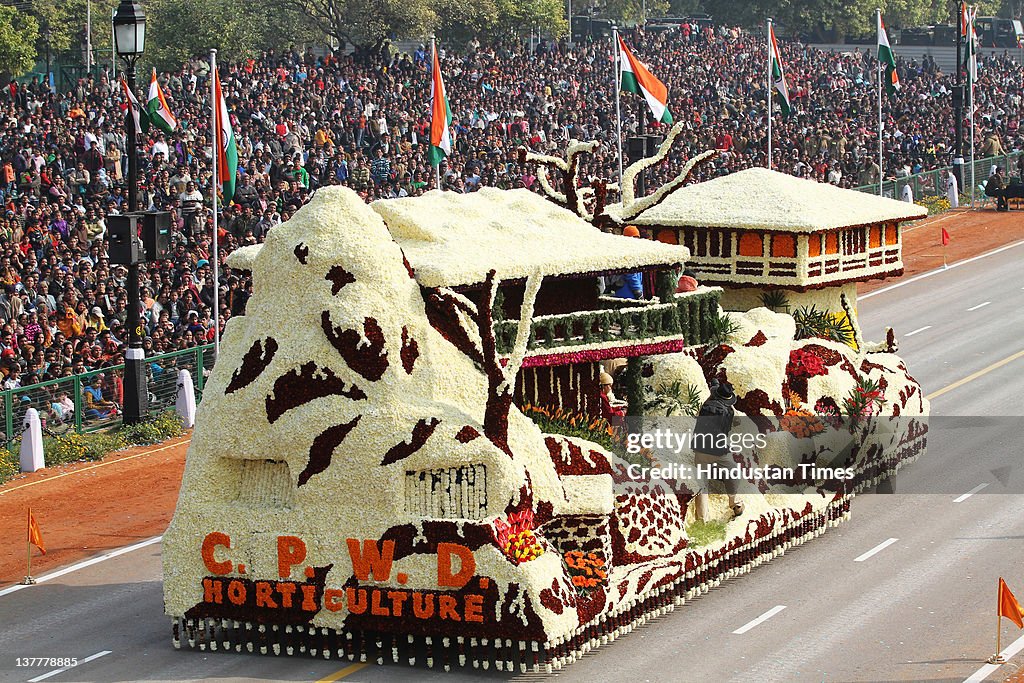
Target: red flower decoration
[[804, 363]]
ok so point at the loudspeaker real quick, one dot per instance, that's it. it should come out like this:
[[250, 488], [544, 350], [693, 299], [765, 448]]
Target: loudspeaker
[[156, 235], [125, 246], [636, 148], [958, 96], [654, 141]]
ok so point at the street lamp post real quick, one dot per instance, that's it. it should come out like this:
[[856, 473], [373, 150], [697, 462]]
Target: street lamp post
[[130, 41]]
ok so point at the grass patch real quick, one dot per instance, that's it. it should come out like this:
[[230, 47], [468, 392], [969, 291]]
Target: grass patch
[[705, 533], [160, 428], [10, 465], [75, 447]]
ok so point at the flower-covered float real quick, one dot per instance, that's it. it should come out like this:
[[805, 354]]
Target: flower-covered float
[[360, 483]]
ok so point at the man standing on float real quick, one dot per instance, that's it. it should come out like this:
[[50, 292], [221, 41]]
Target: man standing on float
[[711, 434]]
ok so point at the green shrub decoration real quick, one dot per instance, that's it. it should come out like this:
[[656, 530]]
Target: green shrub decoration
[[811, 322], [75, 447], [934, 204], [596, 429], [164, 426], [720, 328], [676, 398], [775, 300]]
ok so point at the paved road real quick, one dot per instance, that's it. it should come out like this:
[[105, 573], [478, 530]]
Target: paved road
[[917, 608]]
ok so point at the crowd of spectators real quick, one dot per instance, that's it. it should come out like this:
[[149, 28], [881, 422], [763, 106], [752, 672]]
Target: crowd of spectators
[[304, 120]]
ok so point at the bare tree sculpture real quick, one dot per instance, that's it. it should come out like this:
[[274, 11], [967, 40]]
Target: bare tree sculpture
[[576, 198], [449, 313]]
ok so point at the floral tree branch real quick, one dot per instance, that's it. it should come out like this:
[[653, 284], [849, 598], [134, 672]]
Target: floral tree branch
[[515, 361], [446, 312], [498, 402], [634, 169], [501, 380], [571, 197], [633, 207]]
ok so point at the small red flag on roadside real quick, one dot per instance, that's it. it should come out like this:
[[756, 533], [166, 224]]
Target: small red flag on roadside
[[35, 536], [1008, 605], [945, 237]]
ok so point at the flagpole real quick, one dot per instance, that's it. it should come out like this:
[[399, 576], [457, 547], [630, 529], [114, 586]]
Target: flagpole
[[974, 182], [997, 658], [618, 106], [881, 174], [433, 76], [28, 580], [214, 134], [769, 95], [113, 46], [972, 71]]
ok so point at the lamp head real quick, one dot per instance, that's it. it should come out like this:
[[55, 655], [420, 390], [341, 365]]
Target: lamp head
[[129, 29]]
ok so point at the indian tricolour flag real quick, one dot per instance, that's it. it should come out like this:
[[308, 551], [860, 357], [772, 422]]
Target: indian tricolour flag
[[441, 118], [139, 116], [888, 60], [637, 79], [156, 105], [778, 76], [227, 150], [970, 33]]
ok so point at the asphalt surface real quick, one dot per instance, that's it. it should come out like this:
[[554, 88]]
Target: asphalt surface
[[855, 604]]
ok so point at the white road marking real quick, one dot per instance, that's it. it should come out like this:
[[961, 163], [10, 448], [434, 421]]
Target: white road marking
[[102, 653], [920, 329], [974, 308], [83, 565], [970, 493], [760, 620], [877, 549], [922, 276], [983, 673]]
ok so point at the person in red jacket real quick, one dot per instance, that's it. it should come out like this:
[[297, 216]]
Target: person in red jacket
[[609, 411]]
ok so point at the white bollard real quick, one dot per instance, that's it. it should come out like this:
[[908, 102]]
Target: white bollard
[[32, 442], [185, 405], [952, 191]]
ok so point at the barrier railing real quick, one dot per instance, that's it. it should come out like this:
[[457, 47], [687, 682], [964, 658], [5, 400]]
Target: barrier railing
[[688, 315], [933, 183], [91, 401]]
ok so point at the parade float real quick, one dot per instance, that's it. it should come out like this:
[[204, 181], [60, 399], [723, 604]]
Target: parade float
[[362, 483]]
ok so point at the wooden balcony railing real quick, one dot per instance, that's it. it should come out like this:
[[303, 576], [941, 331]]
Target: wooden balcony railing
[[830, 265], [624, 320]]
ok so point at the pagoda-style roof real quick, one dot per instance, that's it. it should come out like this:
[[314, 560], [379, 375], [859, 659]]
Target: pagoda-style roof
[[761, 199], [453, 240]]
